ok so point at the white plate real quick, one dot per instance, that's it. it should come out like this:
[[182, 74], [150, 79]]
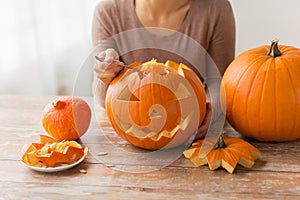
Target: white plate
[[58, 168]]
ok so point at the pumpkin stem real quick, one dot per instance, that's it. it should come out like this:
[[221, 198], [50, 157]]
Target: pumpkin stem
[[220, 143], [58, 104], [274, 50]]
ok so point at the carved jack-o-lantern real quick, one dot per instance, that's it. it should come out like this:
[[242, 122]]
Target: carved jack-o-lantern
[[156, 105]]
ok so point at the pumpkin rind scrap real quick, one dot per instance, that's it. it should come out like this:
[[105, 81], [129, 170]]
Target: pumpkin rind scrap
[[45, 154], [237, 151], [156, 105], [47, 139], [66, 118], [261, 93], [52, 159]]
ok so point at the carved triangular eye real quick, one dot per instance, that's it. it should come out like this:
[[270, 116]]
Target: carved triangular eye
[[182, 92], [127, 95]]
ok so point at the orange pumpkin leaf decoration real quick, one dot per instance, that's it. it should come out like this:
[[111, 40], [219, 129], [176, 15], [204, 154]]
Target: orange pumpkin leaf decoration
[[228, 152], [260, 92], [151, 104], [66, 118]]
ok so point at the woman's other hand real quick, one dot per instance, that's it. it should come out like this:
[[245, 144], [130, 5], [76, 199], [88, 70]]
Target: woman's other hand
[[202, 130]]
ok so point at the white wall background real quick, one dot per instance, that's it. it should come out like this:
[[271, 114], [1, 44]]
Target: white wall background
[[43, 43], [260, 21]]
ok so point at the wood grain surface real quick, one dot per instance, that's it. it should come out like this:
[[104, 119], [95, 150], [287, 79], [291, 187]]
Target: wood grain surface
[[112, 174]]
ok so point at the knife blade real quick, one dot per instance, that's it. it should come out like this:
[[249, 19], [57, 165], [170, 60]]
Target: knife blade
[[120, 64]]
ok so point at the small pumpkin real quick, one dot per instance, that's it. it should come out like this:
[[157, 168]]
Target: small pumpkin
[[66, 118], [227, 153], [156, 105], [260, 92]]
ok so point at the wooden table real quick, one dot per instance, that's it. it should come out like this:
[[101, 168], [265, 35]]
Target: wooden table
[[275, 176]]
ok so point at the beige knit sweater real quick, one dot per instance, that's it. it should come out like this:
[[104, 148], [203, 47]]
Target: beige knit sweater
[[207, 34]]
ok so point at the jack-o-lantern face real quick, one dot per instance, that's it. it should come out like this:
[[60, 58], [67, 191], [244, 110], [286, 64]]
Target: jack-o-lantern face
[[156, 105]]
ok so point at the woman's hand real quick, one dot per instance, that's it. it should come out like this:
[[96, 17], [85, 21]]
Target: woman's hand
[[107, 69], [202, 130]]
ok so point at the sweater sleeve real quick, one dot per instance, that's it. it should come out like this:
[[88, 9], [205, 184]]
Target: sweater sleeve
[[222, 43], [102, 25]]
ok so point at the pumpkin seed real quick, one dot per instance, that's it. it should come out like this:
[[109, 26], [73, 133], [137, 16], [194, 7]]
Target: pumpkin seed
[[102, 154], [83, 171]]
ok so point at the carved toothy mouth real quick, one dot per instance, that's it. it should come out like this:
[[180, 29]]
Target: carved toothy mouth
[[145, 132]]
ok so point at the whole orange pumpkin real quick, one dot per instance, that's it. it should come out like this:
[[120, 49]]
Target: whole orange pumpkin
[[66, 118], [156, 105], [261, 93]]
